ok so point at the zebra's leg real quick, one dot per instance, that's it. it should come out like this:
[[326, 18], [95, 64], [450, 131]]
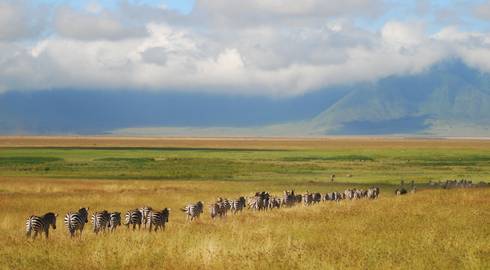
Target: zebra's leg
[[46, 232], [35, 234], [28, 233], [151, 225]]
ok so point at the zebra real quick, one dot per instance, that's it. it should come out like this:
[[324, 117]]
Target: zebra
[[274, 203], [100, 221], [40, 224], [400, 191], [114, 220], [288, 198], [317, 197], [145, 210], [307, 198], [133, 217], [158, 219], [193, 210], [214, 210], [349, 194], [372, 193], [237, 205], [224, 206], [76, 221]]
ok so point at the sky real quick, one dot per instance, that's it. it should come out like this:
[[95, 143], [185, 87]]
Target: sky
[[268, 48]]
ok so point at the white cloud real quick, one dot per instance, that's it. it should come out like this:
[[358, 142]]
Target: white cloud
[[94, 26], [288, 50], [18, 20]]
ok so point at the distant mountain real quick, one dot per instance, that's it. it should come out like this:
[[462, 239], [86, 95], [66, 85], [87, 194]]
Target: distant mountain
[[448, 99]]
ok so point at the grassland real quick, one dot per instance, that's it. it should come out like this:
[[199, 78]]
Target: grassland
[[432, 229]]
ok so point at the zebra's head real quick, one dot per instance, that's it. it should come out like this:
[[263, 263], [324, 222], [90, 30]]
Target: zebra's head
[[84, 212]]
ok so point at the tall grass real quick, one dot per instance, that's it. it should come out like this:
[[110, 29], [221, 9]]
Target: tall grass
[[432, 229]]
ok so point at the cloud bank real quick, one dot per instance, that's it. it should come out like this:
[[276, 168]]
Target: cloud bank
[[256, 47]]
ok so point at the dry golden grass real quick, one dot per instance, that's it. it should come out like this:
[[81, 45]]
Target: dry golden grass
[[432, 229], [324, 143]]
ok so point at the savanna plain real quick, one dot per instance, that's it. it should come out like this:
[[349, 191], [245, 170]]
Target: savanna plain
[[434, 228]]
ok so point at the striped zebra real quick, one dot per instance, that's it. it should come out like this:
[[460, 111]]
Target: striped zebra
[[100, 221], [288, 198], [145, 210], [133, 217], [349, 194], [40, 224], [307, 198], [157, 219], [75, 221], [274, 203], [237, 205], [214, 210], [193, 210], [114, 220], [317, 197], [373, 193]]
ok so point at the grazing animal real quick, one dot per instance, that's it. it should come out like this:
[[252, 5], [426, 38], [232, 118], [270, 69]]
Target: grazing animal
[[193, 210], [400, 191], [260, 201], [40, 224], [75, 221], [372, 193], [133, 217], [114, 220], [215, 210], [349, 194], [274, 203], [145, 210], [237, 205], [157, 219], [100, 221], [288, 198], [317, 197], [307, 198]]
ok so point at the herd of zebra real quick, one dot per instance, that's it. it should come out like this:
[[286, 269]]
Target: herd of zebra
[[154, 219]]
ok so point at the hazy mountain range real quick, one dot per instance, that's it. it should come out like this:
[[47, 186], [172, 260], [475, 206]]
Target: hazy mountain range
[[449, 99]]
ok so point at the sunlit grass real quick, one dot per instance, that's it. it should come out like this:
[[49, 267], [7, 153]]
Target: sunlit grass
[[444, 229], [431, 229]]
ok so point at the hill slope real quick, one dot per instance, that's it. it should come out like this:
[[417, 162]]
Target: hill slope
[[448, 99]]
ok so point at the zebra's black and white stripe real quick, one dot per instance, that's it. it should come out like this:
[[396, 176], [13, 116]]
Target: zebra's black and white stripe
[[40, 224], [157, 219], [193, 210], [133, 217], [237, 205], [75, 221], [145, 210], [100, 221], [114, 220]]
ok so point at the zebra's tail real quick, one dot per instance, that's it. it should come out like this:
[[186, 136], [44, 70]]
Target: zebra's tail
[[29, 227], [183, 209]]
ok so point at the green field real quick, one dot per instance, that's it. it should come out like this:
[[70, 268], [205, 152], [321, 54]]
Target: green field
[[432, 229], [287, 166]]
